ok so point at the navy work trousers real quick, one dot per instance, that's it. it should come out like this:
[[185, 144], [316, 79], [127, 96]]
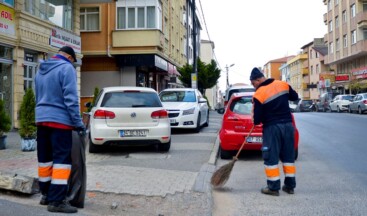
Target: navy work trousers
[[54, 158], [278, 144]]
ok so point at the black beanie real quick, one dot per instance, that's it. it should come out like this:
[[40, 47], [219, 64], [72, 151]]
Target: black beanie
[[68, 50], [256, 73]]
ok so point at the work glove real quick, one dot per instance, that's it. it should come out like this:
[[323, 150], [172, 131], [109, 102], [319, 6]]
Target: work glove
[[81, 130]]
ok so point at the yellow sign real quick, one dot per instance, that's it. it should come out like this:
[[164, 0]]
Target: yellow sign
[[7, 23]]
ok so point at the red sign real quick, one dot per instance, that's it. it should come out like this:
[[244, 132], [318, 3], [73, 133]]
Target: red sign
[[342, 77]]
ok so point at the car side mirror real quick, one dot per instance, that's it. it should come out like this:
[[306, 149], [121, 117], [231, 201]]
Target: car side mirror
[[202, 100]]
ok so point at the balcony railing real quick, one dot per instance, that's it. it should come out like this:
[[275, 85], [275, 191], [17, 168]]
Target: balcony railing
[[137, 38]]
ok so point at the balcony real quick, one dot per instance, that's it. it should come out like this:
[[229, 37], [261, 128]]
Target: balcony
[[305, 71], [304, 86], [137, 38], [362, 19]]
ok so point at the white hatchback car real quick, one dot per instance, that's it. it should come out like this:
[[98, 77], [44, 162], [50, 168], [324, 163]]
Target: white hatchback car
[[129, 116], [341, 102], [187, 108]]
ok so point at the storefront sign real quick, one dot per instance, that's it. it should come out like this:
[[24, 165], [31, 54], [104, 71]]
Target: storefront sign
[[160, 63], [360, 73], [60, 38], [342, 77], [7, 23]]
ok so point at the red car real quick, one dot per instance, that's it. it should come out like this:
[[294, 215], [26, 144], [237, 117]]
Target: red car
[[237, 123]]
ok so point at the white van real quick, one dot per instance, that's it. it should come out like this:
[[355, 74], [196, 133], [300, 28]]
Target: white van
[[235, 89]]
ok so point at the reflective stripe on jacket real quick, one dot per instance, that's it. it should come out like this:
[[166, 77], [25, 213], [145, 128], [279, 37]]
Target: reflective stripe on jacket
[[271, 102]]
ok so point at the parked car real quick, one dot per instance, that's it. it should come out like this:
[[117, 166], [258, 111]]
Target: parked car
[[322, 104], [341, 102], [359, 103], [187, 108], [304, 105], [293, 106], [129, 116], [235, 89], [237, 123]]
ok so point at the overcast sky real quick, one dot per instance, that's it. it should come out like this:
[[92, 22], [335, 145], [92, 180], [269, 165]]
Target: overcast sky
[[251, 33]]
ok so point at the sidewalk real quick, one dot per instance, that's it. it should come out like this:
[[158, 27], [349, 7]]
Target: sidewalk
[[117, 179]]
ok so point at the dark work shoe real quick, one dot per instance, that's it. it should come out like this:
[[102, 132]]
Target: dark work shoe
[[43, 200], [63, 206], [288, 190], [267, 191]]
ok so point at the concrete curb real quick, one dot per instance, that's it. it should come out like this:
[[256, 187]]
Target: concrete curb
[[214, 153]]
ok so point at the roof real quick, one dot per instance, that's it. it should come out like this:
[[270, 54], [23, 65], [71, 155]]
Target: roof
[[281, 60], [322, 50], [127, 88]]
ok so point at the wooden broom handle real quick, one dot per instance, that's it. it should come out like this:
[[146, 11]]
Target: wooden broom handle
[[239, 151]]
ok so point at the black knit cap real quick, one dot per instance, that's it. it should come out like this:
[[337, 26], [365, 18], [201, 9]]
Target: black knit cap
[[256, 73], [68, 50]]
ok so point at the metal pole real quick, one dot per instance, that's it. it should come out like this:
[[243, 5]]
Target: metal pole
[[194, 41]]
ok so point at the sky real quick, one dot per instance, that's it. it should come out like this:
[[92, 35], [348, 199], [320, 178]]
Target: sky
[[250, 33]]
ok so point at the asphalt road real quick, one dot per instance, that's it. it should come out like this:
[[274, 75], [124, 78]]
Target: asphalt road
[[331, 172]]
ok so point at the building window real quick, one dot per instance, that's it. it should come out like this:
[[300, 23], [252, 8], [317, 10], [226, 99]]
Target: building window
[[331, 47], [337, 44], [317, 69], [364, 6], [345, 41], [336, 2], [330, 26], [58, 12], [354, 37], [344, 16], [364, 34], [353, 10], [89, 19], [141, 16], [336, 22], [311, 54], [316, 54], [311, 70], [8, 2], [329, 4]]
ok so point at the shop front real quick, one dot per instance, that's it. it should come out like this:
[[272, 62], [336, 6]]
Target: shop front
[[6, 68]]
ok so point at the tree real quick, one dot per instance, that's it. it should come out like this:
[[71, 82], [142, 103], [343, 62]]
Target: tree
[[28, 127], [208, 75]]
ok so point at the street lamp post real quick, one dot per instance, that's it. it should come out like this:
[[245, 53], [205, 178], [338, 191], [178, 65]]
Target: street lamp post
[[227, 68]]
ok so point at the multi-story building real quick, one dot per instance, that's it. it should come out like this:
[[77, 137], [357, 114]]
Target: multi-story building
[[132, 43], [316, 51], [207, 55], [32, 31], [271, 68], [298, 74], [347, 43]]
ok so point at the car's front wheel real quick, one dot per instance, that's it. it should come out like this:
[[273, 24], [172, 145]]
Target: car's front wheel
[[359, 110], [197, 129], [94, 148], [164, 147], [207, 120], [338, 109], [350, 110]]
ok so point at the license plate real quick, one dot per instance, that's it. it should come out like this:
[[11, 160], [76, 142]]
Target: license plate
[[172, 121], [255, 140], [133, 133]]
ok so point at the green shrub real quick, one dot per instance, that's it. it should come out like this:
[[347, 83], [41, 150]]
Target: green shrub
[[28, 127], [5, 122]]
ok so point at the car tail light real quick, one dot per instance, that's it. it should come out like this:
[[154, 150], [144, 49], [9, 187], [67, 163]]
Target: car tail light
[[104, 114], [159, 114], [365, 101], [225, 103]]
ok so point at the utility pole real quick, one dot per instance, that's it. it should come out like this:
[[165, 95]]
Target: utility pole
[[194, 75], [227, 68]]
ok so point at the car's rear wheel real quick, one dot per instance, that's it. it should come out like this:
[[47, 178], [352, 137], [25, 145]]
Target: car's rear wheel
[[359, 110], [224, 154], [164, 147], [207, 120], [197, 129], [94, 148]]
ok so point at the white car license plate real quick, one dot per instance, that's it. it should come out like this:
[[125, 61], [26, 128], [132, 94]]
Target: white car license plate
[[172, 121], [133, 133], [254, 139]]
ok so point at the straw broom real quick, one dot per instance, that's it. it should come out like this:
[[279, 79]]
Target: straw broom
[[221, 176]]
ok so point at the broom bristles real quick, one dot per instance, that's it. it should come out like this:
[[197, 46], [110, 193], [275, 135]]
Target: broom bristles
[[221, 176]]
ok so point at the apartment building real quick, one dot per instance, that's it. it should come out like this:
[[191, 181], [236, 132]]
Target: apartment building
[[346, 38], [271, 68], [299, 74], [319, 82], [32, 31], [132, 43]]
